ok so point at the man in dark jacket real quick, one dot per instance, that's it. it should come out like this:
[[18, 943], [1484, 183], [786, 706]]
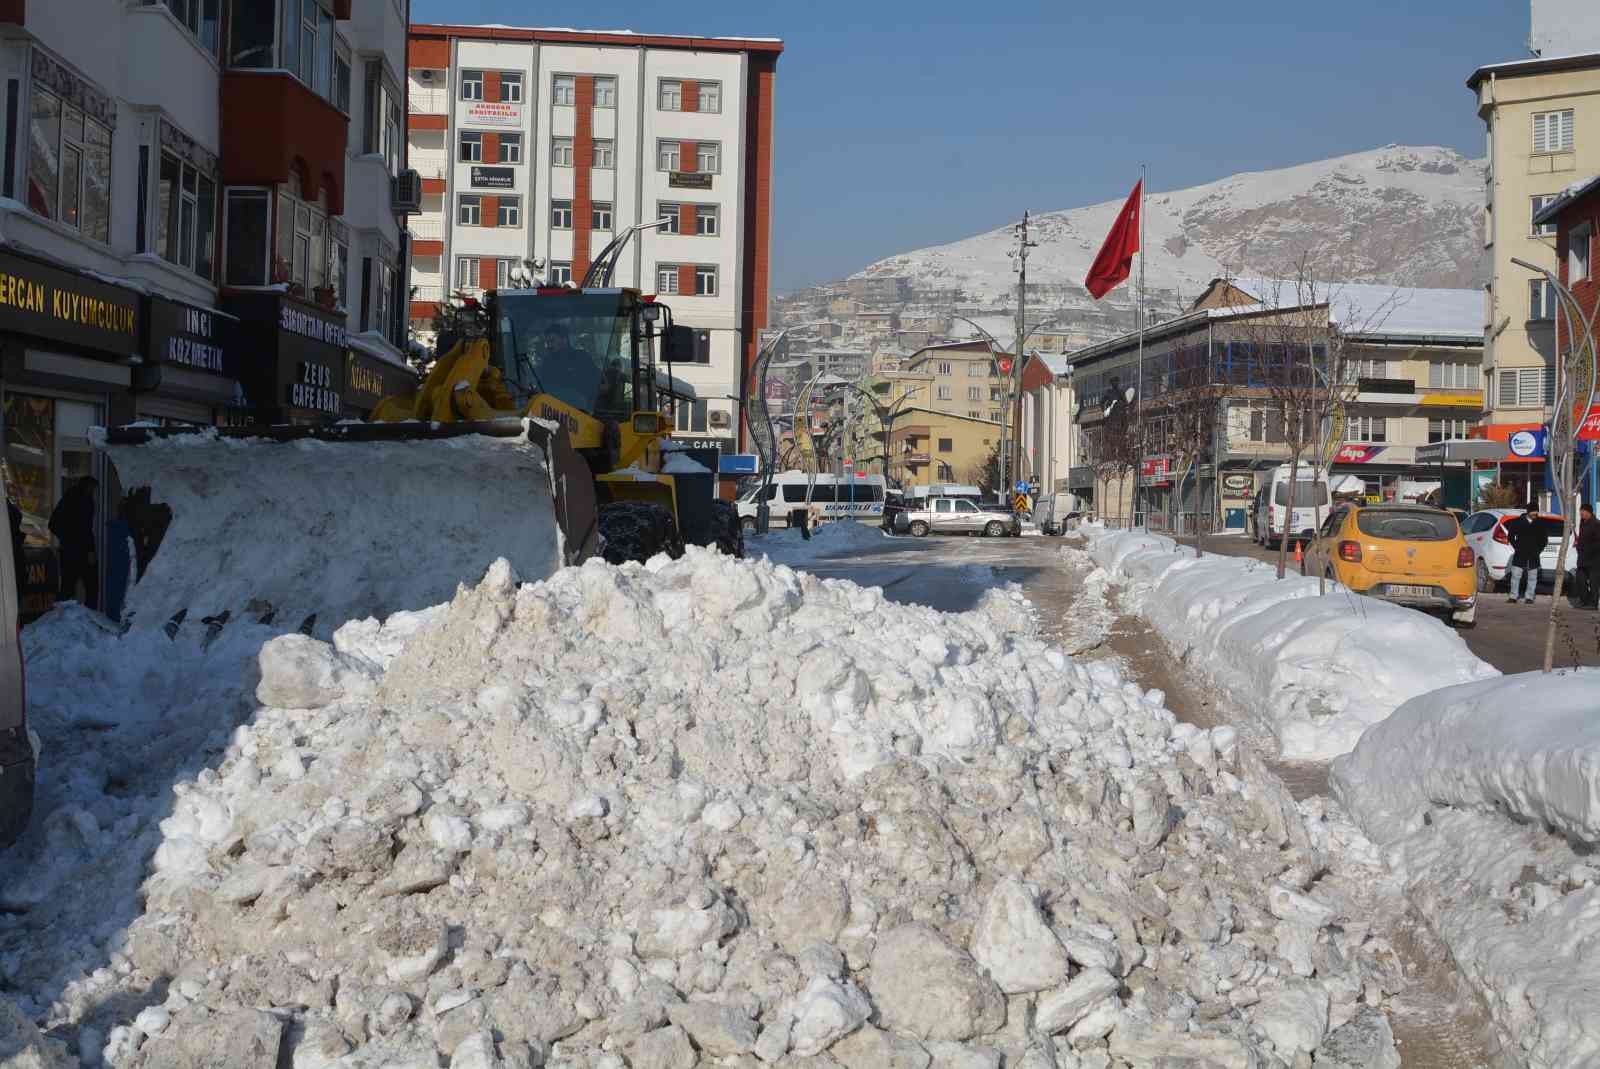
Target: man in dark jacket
[[72, 523], [1588, 546], [1528, 539]]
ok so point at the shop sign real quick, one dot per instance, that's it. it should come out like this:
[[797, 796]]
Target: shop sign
[[1155, 470], [1238, 484], [1589, 429], [63, 306], [1527, 445], [1357, 454], [315, 388], [493, 177], [292, 320], [689, 179], [1452, 400], [485, 113], [188, 336]]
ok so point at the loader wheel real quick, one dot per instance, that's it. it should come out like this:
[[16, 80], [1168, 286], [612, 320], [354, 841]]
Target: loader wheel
[[728, 528], [638, 530]]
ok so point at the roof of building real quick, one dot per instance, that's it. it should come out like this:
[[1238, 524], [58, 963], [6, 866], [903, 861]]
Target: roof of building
[[567, 35], [1535, 65], [1578, 190]]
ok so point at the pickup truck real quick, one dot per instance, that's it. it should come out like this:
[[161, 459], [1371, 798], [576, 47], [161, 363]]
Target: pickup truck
[[956, 515]]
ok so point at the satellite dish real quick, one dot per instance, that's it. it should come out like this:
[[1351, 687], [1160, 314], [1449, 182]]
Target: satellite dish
[[1128, 393]]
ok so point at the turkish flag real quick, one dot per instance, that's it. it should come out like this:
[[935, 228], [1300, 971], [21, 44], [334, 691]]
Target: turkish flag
[[1111, 268]]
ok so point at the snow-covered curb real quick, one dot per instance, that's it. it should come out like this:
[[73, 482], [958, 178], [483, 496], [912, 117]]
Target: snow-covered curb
[[1318, 669], [786, 545], [1486, 798]]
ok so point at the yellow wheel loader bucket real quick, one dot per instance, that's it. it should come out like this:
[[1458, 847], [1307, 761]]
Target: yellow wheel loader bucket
[[311, 527]]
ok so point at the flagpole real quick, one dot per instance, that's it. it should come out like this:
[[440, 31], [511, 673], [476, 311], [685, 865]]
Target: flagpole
[[1138, 481]]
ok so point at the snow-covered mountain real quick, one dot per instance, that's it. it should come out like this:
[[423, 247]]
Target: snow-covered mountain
[[1395, 216]]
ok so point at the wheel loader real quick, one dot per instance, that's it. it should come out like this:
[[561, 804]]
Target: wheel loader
[[541, 434]]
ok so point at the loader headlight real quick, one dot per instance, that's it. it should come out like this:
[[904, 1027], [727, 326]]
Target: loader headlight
[[650, 313]]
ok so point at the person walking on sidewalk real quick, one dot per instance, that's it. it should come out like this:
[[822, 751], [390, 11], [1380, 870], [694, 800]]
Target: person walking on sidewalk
[[1528, 540], [72, 523], [1588, 545]]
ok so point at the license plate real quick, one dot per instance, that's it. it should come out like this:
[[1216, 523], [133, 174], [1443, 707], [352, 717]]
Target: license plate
[[1412, 591]]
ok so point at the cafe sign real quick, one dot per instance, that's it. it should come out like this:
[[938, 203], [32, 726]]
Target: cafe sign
[[62, 306], [315, 387]]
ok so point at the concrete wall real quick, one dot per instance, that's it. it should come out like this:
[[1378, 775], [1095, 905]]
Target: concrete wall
[[1564, 27]]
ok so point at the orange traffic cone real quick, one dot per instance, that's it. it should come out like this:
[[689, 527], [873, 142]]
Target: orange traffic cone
[[1298, 559]]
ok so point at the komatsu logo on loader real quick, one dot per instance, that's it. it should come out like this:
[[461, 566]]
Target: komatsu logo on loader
[[566, 419]]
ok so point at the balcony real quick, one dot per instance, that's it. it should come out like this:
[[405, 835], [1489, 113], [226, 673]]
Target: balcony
[[914, 459], [427, 227], [429, 163], [427, 100], [431, 291], [1387, 392], [272, 124]]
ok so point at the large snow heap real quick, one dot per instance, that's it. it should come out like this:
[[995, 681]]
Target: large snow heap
[[710, 810]]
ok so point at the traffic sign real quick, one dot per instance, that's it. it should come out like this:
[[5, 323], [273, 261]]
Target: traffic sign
[[1021, 487]]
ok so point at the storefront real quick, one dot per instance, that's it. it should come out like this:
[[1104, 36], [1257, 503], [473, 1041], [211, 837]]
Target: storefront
[[1522, 465], [69, 345], [191, 370], [369, 379], [292, 358]]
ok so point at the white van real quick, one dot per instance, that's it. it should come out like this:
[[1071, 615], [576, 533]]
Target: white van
[[1276, 516], [837, 497]]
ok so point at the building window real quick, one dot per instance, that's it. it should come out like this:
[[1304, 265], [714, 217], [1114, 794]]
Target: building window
[[972, 413], [467, 273], [672, 213], [342, 67], [974, 393], [947, 474], [944, 367], [711, 97], [511, 87], [705, 281], [509, 212], [705, 220], [302, 257], [994, 415], [1266, 424], [605, 154], [994, 393], [1579, 250], [383, 126], [947, 445], [708, 157], [1447, 430], [564, 90], [1552, 131], [471, 85], [1541, 299], [248, 227], [471, 146], [338, 272], [605, 92], [945, 393], [502, 273], [1368, 429], [1543, 230], [200, 16], [560, 272], [561, 215], [186, 216], [306, 38], [600, 217], [975, 370], [1453, 376], [667, 156], [510, 148], [69, 166], [669, 95], [471, 210], [561, 151], [666, 278], [1527, 387], [252, 35], [690, 416]]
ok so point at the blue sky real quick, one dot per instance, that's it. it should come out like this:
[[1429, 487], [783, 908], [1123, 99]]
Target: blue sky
[[907, 124]]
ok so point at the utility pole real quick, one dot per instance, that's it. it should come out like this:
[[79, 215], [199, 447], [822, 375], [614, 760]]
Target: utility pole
[[1014, 469]]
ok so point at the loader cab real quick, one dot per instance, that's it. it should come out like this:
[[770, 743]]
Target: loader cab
[[591, 349]]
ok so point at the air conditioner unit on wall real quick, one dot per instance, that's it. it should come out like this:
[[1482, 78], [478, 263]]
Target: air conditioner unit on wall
[[718, 418], [408, 193]]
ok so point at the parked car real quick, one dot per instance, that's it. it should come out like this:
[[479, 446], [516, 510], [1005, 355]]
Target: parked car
[[1485, 532], [1409, 554], [1281, 512], [16, 747], [957, 515], [1055, 513]]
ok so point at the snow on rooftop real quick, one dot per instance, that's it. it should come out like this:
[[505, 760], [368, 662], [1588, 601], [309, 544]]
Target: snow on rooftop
[[607, 33]]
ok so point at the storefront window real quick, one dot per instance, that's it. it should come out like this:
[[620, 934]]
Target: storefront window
[[248, 236], [69, 166], [46, 452]]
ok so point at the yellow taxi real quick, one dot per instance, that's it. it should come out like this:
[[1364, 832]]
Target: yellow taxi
[[1410, 554]]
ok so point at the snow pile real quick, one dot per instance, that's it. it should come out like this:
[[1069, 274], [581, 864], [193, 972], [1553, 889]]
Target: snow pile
[[785, 545], [1319, 668], [1486, 797], [710, 809], [336, 529]]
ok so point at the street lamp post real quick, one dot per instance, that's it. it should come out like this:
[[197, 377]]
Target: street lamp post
[[1011, 465]]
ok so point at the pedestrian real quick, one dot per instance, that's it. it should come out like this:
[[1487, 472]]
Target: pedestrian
[[1588, 558], [72, 522], [1528, 540]]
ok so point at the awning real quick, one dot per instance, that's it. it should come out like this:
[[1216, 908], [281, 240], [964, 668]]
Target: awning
[[1459, 451]]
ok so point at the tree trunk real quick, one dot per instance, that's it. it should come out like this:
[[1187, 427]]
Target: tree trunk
[[1288, 515], [1561, 574]]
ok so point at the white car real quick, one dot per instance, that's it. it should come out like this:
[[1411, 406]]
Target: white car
[[1485, 532], [957, 515]]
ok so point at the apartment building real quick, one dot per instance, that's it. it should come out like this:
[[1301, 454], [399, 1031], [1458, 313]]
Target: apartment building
[[927, 447], [542, 146], [1542, 118], [198, 224], [966, 380]]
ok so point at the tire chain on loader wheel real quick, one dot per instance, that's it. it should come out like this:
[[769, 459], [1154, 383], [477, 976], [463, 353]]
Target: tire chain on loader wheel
[[638, 530], [729, 528]]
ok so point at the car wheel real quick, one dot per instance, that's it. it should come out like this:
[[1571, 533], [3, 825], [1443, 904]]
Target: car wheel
[[919, 529], [1486, 583], [994, 529], [749, 525]]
